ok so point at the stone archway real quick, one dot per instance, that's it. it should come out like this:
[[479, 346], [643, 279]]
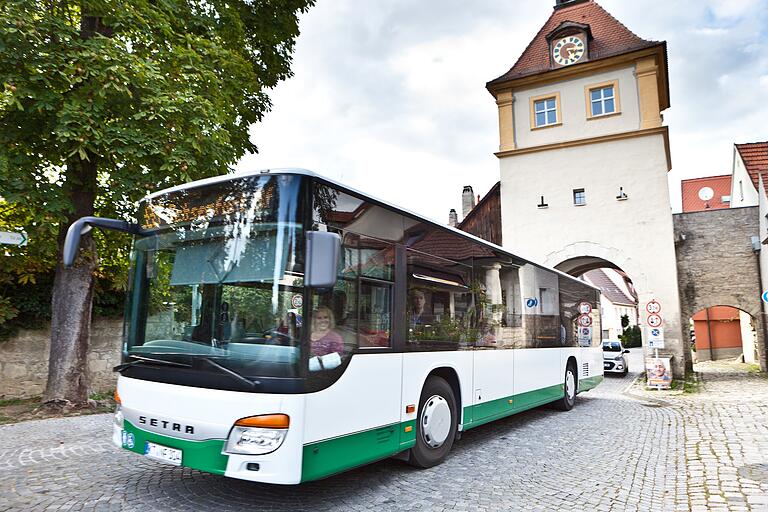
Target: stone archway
[[691, 303], [579, 257], [723, 331], [717, 264]]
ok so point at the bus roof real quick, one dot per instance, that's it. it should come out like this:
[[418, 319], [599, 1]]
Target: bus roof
[[304, 172]]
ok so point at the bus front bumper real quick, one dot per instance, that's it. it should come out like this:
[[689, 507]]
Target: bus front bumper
[[192, 430]]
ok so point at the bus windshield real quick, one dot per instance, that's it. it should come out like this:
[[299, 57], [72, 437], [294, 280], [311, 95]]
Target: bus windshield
[[217, 288]]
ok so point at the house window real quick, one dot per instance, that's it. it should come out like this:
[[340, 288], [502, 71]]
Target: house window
[[602, 99], [545, 111], [579, 197]]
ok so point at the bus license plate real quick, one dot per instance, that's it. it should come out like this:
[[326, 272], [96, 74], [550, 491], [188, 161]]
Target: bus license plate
[[163, 453]]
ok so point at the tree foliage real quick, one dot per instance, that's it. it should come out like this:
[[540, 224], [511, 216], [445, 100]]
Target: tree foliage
[[105, 100], [631, 337], [154, 92]]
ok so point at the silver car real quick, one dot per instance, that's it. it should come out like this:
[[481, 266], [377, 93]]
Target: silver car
[[615, 357]]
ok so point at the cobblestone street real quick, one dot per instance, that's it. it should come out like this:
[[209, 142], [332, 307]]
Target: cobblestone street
[[615, 451]]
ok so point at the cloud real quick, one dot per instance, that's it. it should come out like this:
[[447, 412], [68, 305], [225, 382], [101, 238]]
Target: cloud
[[389, 96]]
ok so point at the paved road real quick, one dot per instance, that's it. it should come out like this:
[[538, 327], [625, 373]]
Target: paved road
[[707, 451]]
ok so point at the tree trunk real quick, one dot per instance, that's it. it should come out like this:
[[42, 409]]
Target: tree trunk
[[67, 384], [70, 331], [72, 300]]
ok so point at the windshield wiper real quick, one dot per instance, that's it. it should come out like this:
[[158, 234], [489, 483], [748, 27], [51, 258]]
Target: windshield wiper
[[237, 376], [139, 359]]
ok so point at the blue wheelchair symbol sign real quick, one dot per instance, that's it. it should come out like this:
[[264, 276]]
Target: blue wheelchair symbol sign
[[532, 302]]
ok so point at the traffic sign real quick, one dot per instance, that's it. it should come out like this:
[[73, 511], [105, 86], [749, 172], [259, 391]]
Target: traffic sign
[[765, 296], [585, 336], [655, 337], [585, 308], [654, 320], [585, 321], [11, 238], [532, 302], [653, 307]]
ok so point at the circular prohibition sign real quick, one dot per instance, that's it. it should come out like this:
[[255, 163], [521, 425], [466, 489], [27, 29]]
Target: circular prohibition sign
[[654, 320], [585, 321], [653, 307]]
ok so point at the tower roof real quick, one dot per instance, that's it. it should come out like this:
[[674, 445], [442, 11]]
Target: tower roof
[[755, 157], [609, 38]]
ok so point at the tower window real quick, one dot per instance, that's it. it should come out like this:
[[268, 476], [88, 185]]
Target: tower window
[[545, 111], [579, 197], [602, 99]]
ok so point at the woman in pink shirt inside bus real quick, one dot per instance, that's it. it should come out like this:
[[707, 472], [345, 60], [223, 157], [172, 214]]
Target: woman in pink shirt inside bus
[[323, 337]]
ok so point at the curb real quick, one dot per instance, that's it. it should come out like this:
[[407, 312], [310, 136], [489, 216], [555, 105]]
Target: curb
[[643, 398]]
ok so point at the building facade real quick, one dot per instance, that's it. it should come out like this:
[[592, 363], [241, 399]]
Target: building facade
[[709, 193], [584, 157]]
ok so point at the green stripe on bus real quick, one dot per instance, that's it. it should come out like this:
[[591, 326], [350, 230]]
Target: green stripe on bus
[[590, 382], [324, 458], [203, 455], [476, 415]]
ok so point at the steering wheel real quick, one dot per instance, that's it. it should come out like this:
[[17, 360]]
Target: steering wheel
[[273, 337]]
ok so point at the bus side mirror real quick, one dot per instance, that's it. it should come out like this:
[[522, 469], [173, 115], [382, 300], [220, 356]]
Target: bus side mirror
[[323, 249], [83, 225]]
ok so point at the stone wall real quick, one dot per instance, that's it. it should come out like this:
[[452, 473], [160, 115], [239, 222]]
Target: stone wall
[[717, 266], [24, 359]]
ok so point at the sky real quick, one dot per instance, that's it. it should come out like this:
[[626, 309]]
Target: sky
[[388, 96]]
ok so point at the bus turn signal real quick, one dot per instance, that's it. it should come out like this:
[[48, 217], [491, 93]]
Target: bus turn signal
[[265, 421]]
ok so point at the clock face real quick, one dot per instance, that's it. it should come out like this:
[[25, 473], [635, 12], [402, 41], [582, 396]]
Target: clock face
[[568, 50]]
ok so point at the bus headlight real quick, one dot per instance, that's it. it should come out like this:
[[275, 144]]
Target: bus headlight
[[258, 435]]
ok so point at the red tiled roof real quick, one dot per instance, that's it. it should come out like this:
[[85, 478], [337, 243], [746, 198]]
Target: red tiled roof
[[720, 185], [755, 157], [610, 38], [608, 288], [444, 244]]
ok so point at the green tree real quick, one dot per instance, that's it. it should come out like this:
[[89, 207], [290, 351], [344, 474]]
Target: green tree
[[104, 100], [624, 321]]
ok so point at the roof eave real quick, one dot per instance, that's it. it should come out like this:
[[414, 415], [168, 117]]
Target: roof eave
[[498, 84]]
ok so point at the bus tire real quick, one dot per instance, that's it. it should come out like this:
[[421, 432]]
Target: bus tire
[[568, 400], [436, 424]]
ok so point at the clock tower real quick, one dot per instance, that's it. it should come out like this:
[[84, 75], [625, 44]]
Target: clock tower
[[584, 157]]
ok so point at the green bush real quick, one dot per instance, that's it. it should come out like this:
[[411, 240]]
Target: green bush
[[631, 337]]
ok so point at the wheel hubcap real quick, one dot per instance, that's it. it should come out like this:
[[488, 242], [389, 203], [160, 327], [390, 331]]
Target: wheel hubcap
[[435, 421], [570, 385]]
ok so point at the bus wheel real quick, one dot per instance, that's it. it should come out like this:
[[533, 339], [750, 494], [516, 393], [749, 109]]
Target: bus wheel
[[435, 424], [568, 400]]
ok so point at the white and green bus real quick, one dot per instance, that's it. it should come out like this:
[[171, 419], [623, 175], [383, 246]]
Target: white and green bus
[[282, 328]]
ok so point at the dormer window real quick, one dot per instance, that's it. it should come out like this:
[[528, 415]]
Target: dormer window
[[569, 44]]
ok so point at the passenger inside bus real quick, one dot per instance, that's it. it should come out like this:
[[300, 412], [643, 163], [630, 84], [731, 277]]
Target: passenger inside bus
[[325, 340], [420, 317]]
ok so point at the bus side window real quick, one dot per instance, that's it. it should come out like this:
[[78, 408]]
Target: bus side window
[[439, 303], [377, 275]]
